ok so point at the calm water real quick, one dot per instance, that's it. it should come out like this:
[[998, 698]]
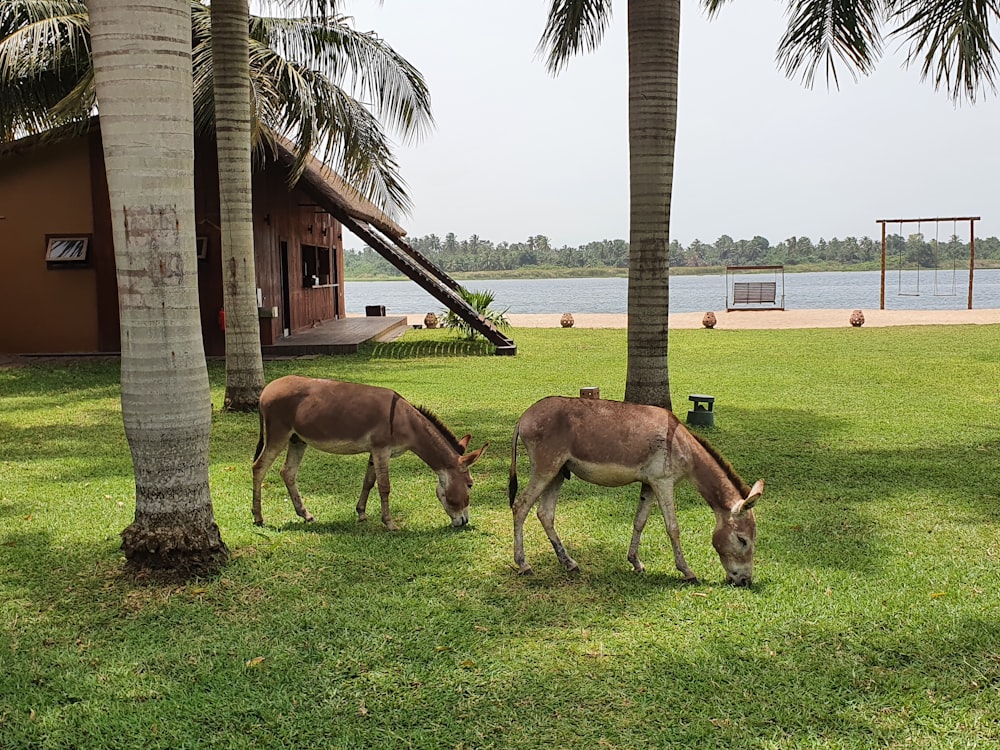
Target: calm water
[[828, 290]]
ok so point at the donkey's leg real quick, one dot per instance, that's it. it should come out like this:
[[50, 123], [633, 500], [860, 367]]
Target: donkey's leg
[[520, 509], [665, 499], [547, 515], [269, 452], [366, 489], [289, 472], [380, 463], [646, 497]]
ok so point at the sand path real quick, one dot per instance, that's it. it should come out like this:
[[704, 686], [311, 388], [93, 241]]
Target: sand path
[[761, 319]]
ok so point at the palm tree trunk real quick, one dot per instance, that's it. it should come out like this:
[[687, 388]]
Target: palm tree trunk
[[653, 41], [231, 65], [142, 67]]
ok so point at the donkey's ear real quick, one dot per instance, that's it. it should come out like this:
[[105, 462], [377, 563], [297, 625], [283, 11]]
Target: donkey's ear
[[470, 458], [751, 499], [464, 442]]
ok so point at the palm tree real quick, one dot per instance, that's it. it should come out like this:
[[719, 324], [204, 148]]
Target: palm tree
[[330, 45], [144, 84], [299, 74], [48, 78], [230, 39], [653, 39], [952, 41]]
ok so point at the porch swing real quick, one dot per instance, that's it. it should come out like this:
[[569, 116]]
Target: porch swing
[[755, 295]]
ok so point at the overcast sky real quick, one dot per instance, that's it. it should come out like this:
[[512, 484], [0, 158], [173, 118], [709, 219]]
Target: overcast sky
[[516, 152]]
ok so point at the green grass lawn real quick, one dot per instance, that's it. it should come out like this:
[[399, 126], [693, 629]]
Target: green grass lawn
[[874, 620]]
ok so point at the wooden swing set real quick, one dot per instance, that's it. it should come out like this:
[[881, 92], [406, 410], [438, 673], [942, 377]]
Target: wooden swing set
[[940, 290]]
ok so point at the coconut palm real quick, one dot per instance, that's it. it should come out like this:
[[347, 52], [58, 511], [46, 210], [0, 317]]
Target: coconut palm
[[47, 79], [144, 82], [230, 39], [653, 36], [952, 41], [298, 69], [322, 117]]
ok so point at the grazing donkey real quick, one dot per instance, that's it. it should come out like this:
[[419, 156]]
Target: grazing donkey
[[614, 443], [349, 418]]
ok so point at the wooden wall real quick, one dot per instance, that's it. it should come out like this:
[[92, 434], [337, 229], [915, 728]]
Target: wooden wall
[[61, 188], [46, 190], [292, 219]]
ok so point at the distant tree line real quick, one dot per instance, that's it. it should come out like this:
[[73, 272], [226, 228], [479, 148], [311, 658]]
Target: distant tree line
[[476, 254]]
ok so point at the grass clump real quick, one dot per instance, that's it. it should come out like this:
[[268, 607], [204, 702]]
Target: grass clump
[[873, 621]]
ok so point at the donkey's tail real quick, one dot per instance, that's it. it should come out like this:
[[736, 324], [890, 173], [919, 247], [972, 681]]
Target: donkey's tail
[[260, 437], [512, 482]]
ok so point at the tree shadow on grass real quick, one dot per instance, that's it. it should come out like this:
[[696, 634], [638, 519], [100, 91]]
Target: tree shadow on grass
[[99, 443], [409, 349], [842, 689], [822, 491]]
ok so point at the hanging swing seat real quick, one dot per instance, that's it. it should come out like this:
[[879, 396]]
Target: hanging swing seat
[[755, 295], [754, 292]]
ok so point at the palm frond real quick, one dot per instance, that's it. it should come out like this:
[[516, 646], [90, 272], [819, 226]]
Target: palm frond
[[954, 41], [44, 52], [360, 62], [573, 26], [713, 7], [827, 33], [322, 119]]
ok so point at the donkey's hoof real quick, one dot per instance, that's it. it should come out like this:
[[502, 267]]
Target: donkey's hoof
[[638, 567], [693, 579], [259, 522], [309, 518], [391, 526], [525, 570], [572, 567]]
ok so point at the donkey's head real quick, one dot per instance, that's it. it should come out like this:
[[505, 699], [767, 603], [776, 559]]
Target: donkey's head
[[455, 483], [735, 535]]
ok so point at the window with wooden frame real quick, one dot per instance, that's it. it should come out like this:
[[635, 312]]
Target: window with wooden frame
[[67, 250], [316, 266]]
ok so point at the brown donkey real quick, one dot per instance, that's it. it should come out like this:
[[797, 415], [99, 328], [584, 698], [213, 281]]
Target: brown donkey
[[614, 443], [349, 418]]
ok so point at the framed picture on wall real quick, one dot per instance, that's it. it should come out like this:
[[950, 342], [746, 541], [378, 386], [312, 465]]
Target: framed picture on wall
[[202, 248], [66, 249]]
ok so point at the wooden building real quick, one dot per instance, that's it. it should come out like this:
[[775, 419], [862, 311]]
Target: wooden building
[[57, 270], [57, 266]]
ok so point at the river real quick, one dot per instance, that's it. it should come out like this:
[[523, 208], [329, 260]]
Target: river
[[803, 291]]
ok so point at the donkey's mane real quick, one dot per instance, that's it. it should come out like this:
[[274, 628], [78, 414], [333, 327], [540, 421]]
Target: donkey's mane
[[726, 467], [447, 434]]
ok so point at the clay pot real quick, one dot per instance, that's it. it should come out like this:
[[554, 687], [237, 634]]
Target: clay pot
[[857, 318], [709, 320], [431, 320], [566, 321]]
